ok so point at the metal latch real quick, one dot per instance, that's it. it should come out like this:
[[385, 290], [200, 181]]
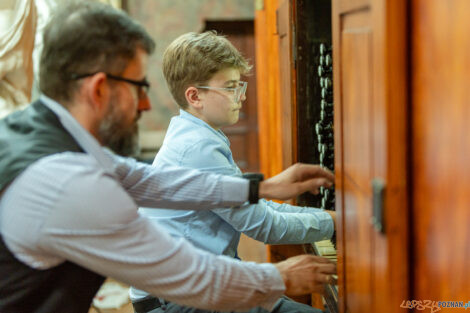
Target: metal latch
[[378, 202]]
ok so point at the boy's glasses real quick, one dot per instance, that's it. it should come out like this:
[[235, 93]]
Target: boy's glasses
[[238, 91]]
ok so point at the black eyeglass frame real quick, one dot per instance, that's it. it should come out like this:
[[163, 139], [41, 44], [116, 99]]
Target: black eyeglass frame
[[143, 84]]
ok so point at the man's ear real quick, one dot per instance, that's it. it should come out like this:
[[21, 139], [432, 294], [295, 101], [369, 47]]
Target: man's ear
[[97, 91], [192, 97]]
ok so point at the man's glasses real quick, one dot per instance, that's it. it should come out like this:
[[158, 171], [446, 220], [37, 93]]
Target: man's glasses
[[143, 85], [238, 91]]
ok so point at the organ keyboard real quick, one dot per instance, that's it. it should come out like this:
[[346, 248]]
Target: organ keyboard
[[326, 249]]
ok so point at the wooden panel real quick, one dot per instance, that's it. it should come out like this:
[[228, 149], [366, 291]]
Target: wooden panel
[[370, 78], [441, 149], [270, 123], [338, 144], [287, 79], [357, 262], [351, 6], [356, 83], [391, 282], [268, 91], [356, 76]]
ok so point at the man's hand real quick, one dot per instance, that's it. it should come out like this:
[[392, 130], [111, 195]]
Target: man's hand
[[295, 180], [304, 274]]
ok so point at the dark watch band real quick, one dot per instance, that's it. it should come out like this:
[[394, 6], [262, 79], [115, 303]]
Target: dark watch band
[[255, 179]]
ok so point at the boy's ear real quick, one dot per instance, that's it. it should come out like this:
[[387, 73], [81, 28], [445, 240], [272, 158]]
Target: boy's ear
[[192, 97]]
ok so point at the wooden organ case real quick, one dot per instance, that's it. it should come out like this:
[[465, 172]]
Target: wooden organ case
[[389, 118]]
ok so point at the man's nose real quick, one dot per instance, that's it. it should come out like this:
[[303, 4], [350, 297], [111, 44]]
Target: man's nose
[[144, 104]]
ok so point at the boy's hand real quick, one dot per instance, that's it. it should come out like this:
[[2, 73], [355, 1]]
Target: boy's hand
[[333, 216], [295, 180], [304, 274]]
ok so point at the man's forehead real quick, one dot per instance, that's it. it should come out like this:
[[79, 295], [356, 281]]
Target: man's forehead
[[138, 64]]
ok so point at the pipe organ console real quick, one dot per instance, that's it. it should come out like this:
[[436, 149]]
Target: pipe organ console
[[366, 89], [324, 132], [315, 114]]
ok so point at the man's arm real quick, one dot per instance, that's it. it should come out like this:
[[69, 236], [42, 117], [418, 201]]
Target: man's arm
[[86, 217], [295, 180], [116, 242], [143, 181], [74, 211], [177, 187]]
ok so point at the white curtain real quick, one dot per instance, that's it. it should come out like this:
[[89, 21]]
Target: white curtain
[[21, 26], [17, 33]]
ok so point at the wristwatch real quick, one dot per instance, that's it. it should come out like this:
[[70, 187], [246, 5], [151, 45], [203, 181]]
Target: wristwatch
[[255, 179]]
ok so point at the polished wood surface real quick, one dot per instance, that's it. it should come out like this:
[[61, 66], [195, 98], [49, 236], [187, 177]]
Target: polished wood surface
[[392, 279], [268, 91], [356, 137], [272, 146], [370, 80], [441, 149], [401, 101], [285, 21]]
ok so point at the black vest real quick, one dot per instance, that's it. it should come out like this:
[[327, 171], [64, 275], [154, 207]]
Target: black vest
[[25, 137]]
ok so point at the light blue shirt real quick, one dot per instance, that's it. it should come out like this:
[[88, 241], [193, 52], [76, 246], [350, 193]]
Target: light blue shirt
[[82, 208], [190, 142]]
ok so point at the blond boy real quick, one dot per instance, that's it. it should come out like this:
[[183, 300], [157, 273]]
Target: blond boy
[[203, 72]]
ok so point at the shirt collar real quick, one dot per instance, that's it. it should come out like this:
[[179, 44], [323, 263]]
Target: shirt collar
[[86, 141], [197, 120]]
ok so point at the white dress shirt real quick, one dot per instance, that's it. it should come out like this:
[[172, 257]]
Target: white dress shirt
[[82, 207]]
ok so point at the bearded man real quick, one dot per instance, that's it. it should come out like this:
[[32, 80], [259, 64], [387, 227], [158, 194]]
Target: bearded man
[[68, 205]]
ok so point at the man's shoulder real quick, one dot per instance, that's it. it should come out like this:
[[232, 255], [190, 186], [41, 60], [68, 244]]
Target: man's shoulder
[[64, 166], [51, 176]]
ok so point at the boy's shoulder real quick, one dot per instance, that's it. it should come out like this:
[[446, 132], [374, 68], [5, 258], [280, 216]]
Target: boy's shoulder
[[189, 131], [184, 135], [194, 145]]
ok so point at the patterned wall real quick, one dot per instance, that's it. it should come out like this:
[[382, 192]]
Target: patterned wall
[[166, 20]]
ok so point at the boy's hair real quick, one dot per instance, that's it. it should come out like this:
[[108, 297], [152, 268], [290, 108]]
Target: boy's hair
[[193, 59]]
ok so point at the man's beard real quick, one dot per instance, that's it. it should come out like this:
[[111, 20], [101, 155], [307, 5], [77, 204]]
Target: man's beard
[[115, 135]]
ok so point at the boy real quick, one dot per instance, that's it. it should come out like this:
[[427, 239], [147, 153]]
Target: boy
[[203, 74]]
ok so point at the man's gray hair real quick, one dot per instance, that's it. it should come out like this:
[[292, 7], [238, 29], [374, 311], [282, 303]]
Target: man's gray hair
[[85, 37]]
